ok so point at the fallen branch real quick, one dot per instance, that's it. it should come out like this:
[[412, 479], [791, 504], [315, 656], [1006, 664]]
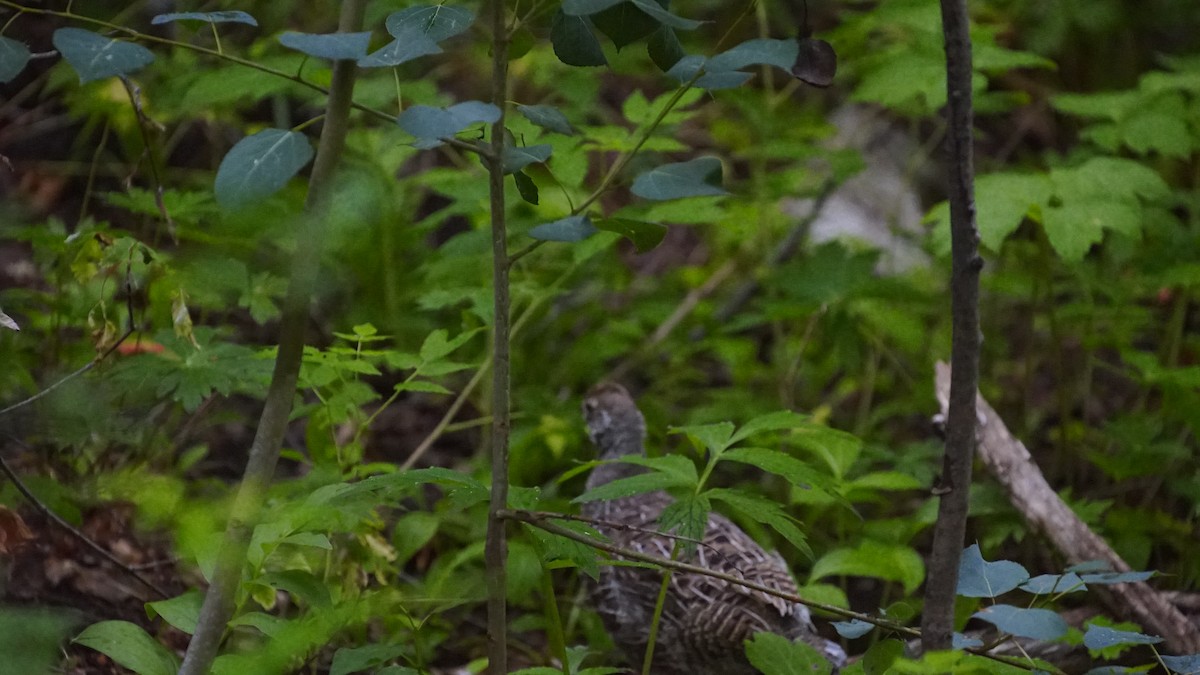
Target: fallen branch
[[1013, 467]]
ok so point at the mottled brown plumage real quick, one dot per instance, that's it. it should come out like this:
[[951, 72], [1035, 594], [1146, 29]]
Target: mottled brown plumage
[[705, 620]]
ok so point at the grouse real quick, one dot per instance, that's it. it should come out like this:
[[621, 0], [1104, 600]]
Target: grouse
[[704, 620]]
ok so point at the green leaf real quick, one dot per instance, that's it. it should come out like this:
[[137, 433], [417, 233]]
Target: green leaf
[[301, 585], [675, 465], [644, 235], [1076, 226], [763, 510], [1003, 200], [260, 165], [695, 178], [631, 485], [795, 471], [130, 646], [978, 578], [585, 7], [624, 24], [412, 532], [547, 117], [211, 17], [519, 157], [664, 48], [332, 46], [776, 655], [432, 22], [1156, 130], [559, 548], [712, 437], [400, 51], [354, 659], [96, 57], [31, 639], [312, 539], [571, 228], [423, 386], [526, 187], [436, 344], [182, 611], [776, 421], [430, 124], [1037, 624], [890, 562], [687, 68], [574, 42], [686, 517], [13, 57], [658, 13]]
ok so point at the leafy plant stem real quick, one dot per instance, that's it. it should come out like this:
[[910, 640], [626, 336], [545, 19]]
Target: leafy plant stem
[[554, 627], [219, 601], [496, 544], [656, 620], [937, 621]]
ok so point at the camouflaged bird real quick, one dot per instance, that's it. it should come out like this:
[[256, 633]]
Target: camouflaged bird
[[705, 621]]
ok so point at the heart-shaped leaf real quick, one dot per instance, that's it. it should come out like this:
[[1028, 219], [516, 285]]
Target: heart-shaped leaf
[[332, 46], [978, 578], [694, 178], [260, 165], [96, 57], [574, 42], [433, 22], [517, 157], [13, 57], [547, 117], [571, 228]]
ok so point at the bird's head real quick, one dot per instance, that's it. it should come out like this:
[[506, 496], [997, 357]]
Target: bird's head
[[614, 422]]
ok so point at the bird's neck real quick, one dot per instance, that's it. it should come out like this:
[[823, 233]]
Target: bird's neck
[[614, 445]]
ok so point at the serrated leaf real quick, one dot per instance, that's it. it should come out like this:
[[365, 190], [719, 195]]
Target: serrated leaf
[[712, 437], [423, 386], [232, 16], [631, 485], [433, 22], [430, 124], [686, 517], [437, 345], [354, 659], [556, 547], [332, 46], [890, 562], [774, 654], [571, 228], [978, 578], [644, 235], [1038, 624], [1102, 637], [763, 510], [526, 187], [675, 465], [574, 41], [795, 471], [1075, 226], [13, 57], [519, 157], [776, 421], [1002, 202], [95, 57], [400, 51], [260, 165], [1046, 584], [693, 178], [130, 646], [182, 611], [547, 117]]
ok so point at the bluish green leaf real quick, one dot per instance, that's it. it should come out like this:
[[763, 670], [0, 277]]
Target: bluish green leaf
[[354, 659], [695, 178], [233, 16], [526, 187], [1047, 584], [571, 228], [547, 117], [978, 578], [333, 46], [400, 51], [657, 12], [574, 41], [433, 22], [664, 48], [1108, 578], [1102, 637], [624, 24], [853, 629], [816, 63], [686, 68], [519, 157], [430, 124], [96, 57], [586, 7], [960, 641], [1038, 624], [890, 562], [1189, 664], [774, 654], [643, 234], [130, 646], [13, 57], [760, 51], [182, 611], [260, 165]]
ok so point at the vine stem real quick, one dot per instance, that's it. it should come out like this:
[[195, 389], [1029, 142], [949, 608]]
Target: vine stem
[[495, 551], [220, 600]]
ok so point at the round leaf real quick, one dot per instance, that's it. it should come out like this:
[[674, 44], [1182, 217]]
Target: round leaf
[[1038, 624], [816, 62], [517, 158], [332, 46], [433, 22], [430, 124], [547, 117], [571, 228], [978, 578], [1101, 637], [13, 57], [400, 51], [854, 629], [211, 17], [96, 57], [762, 51], [574, 42], [260, 165], [694, 178]]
